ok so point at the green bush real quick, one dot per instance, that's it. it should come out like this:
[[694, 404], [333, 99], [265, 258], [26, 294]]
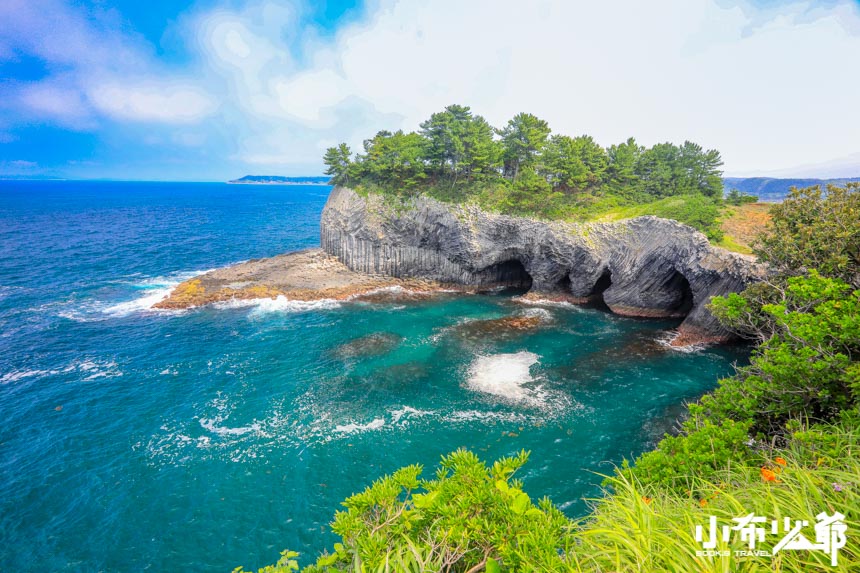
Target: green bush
[[473, 518], [815, 229], [735, 197]]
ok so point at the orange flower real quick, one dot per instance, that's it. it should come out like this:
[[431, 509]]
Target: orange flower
[[780, 461], [768, 475], [703, 502], [646, 499]]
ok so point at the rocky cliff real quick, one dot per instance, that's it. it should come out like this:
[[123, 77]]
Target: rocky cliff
[[646, 267]]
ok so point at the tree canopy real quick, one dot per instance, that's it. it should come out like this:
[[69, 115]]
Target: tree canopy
[[523, 166]]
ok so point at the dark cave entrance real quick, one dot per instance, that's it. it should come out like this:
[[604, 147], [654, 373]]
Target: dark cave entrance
[[511, 275], [679, 284], [595, 297], [564, 284]]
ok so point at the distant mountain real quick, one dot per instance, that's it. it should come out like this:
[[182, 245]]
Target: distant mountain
[[773, 189], [278, 180]]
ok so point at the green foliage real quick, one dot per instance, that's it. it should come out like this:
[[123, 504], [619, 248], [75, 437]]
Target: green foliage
[[574, 164], [523, 139], [469, 517], [813, 229], [473, 518], [647, 527], [695, 210], [338, 163], [807, 367], [394, 160], [808, 331], [704, 449], [459, 143], [735, 197], [454, 157], [286, 564]]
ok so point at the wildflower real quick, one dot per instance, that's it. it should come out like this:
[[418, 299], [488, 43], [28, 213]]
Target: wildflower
[[768, 475], [646, 499], [703, 502], [780, 461], [837, 487]]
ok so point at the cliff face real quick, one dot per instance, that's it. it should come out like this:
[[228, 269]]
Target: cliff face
[[646, 266]]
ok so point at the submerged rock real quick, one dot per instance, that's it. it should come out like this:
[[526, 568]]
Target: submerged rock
[[374, 344], [645, 267], [500, 328]]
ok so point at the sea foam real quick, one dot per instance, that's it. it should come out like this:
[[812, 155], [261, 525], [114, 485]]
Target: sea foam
[[281, 304], [505, 376]]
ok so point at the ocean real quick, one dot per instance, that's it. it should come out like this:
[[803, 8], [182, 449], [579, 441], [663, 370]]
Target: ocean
[[205, 439]]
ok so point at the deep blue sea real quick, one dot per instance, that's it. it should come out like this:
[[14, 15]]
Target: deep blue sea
[[141, 440]]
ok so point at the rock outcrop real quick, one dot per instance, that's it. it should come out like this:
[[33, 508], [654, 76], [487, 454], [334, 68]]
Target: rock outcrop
[[647, 266]]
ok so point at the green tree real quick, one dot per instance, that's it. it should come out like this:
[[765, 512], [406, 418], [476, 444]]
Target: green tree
[[701, 170], [393, 159], [523, 139], [621, 170], [457, 143], [573, 164], [660, 171], [338, 164], [815, 229]]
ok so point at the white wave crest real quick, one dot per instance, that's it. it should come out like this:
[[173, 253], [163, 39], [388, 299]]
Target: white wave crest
[[21, 374], [665, 340], [281, 304], [538, 302], [506, 376], [541, 313], [408, 412], [212, 426], [153, 290], [354, 428]]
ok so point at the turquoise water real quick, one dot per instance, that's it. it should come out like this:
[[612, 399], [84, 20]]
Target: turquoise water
[[141, 440]]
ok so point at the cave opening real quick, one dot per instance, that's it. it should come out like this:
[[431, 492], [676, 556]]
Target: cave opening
[[564, 284], [511, 275], [679, 284], [595, 297]]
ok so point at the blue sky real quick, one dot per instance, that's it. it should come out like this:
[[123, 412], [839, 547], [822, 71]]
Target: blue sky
[[215, 90]]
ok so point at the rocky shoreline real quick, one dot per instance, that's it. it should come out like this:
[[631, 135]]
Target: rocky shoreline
[[308, 275], [645, 267]]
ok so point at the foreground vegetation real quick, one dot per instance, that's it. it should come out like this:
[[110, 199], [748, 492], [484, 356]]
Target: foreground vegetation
[[523, 169], [780, 439]]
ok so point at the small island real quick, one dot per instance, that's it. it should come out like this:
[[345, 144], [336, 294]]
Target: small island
[[279, 180]]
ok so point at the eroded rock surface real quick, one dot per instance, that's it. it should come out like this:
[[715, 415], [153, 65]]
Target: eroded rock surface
[[647, 266], [304, 276]]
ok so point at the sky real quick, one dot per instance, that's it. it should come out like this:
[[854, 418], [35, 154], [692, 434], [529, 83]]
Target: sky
[[209, 91]]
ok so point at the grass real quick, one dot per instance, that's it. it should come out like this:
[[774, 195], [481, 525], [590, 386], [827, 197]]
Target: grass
[[633, 528], [742, 224], [730, 227], [639, 529]]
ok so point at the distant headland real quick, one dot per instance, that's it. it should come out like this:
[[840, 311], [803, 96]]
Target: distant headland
[[279, 180]]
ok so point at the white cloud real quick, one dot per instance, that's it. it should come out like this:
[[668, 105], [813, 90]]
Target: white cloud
[[102, 70], [769, 88], [155, 101], [58, 100]]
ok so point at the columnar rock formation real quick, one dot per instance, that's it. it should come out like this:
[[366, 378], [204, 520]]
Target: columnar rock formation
[[648, 267]]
